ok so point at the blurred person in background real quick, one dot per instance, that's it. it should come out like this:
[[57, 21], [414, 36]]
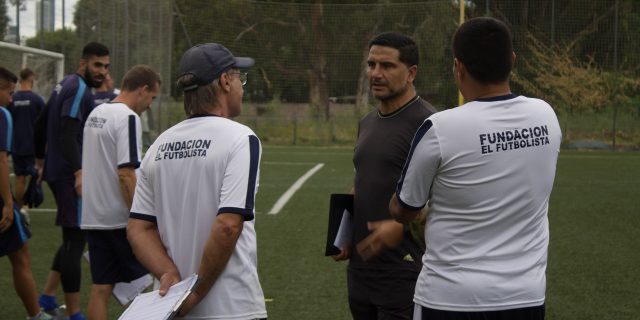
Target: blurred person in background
[[59, 131], [14, 231], [24, 109]]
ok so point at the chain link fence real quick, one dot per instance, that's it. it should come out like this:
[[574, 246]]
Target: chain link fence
[[309, 84]]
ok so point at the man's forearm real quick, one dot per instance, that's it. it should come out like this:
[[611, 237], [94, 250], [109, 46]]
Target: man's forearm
[[5, 188], [148, 248], [400, 213], [218, 249], [127, 178]]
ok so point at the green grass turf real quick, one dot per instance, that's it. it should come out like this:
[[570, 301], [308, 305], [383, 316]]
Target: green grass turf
[[594, 218]]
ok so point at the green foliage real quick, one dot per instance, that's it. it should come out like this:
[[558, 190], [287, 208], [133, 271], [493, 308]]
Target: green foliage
[[63, 41], [558, 76]]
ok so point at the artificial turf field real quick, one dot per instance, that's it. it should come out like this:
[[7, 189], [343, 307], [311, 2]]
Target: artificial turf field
[[593, 258]]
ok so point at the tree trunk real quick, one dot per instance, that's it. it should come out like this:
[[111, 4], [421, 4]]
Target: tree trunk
[[362, 94], [318, 87]]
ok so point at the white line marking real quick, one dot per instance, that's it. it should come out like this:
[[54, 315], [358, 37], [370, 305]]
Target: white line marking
[[42, 210], [294, 187], [285, 163]]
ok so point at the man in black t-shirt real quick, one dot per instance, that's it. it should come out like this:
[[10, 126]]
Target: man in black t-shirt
[[382, 245]]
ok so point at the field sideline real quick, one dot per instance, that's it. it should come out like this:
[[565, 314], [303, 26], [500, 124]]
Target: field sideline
[[594, 218]]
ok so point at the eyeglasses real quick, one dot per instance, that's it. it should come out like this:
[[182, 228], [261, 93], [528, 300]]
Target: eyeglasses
[[243, 77]]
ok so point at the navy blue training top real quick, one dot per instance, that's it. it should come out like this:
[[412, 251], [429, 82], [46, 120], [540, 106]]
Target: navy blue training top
[[6, 130], [24, 109], [71, 98]]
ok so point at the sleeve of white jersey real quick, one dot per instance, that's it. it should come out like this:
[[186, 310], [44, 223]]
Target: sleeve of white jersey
[[143, 206], [420, 168], [129, 145], [240, 182]]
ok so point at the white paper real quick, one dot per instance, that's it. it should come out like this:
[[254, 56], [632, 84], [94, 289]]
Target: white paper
[[127, 291], [151, 306], [344, 231]]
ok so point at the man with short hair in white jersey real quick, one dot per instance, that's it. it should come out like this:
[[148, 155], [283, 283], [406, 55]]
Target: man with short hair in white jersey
[[193, 210], [112, 148], [487, 168]]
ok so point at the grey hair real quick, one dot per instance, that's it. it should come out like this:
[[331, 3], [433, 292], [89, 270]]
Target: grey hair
[[200, 100]]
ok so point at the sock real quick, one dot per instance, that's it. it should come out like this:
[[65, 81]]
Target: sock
[[77, 316], [47, 302]]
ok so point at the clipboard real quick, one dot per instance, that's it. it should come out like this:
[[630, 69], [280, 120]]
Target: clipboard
[[340, 215], [151, 306]]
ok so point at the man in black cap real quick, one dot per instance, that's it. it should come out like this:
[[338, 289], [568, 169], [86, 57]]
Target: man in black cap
[[196, 187]]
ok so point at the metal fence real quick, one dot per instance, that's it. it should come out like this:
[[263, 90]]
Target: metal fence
[[311, 55]]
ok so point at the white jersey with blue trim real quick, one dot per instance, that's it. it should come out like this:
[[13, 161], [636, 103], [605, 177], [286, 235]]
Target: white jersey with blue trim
[[112, 139], [488, 169], [199, 168]]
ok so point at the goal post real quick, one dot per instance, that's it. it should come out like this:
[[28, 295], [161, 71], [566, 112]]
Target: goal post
[[47, 65]]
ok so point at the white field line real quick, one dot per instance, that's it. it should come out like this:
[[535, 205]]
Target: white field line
[[41, 210], [294, 187], [285, 163]]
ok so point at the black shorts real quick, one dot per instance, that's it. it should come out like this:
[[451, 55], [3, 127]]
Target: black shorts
[[16, 236], [381, 294], [68, 203], [111, 257], [21, 164], [529, 313]]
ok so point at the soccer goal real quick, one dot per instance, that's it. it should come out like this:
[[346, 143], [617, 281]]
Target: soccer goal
[[47, 65]]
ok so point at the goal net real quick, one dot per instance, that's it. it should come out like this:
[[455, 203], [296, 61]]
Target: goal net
[[47, 65]]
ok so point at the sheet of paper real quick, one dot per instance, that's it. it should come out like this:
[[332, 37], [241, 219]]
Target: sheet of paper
[[151, 306], [344, 231], [127, 291]]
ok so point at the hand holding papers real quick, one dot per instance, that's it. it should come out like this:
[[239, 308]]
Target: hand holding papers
[[151, 306], [340, 215]]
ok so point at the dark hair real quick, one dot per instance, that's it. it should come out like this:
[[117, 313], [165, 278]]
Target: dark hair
[[408, 49], [7, 77], [94, 49], [484, 45], [26, 73], [139, 76]]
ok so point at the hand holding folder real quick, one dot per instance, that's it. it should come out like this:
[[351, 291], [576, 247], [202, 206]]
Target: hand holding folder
[[152, 306], [340, 216]]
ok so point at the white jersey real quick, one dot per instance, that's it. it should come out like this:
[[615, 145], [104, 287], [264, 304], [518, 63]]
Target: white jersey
[[488, 168], [199, 168], [112, 139]]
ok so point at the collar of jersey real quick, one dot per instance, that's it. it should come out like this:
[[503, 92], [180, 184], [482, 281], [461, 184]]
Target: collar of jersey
[[201, 115], [389, 115], [497, 98]]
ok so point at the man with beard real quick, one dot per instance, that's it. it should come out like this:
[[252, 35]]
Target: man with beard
[[385, 265], [59, 129]]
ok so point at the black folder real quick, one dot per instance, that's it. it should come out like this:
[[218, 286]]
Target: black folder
[[338, 203]]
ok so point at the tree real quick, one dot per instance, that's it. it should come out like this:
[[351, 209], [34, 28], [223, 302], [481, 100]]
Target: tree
[[4, 19], [569, 84], [63, 41]]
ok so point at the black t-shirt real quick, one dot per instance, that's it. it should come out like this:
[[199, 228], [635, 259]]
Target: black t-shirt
[[381, 150]]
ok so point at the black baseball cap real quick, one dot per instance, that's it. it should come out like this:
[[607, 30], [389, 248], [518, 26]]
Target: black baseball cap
[[206, 62]]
